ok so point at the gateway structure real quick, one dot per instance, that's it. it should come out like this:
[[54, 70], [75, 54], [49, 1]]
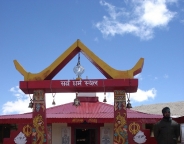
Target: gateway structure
[[90, 123]]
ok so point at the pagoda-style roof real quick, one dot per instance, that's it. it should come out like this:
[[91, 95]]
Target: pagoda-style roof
[[109, 72], [89, 111], [115, 79]]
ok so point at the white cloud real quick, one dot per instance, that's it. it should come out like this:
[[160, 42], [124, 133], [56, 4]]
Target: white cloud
[[109, 97], [140, 21], [139, 96], [17, 106], [17, 92], [60, 98], [20, 105], [12, 89], [142, 95], [114, 12], [154, 13]]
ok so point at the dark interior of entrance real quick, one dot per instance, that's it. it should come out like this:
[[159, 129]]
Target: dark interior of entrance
[[5, 131], [86, 136]]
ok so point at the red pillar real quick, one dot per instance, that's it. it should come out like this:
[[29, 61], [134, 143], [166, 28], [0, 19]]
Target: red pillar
[[39, 131], [120, 118]]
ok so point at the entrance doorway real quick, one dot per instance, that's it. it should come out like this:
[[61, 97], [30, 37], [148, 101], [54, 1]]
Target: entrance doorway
[[4, 132], [86, 136]]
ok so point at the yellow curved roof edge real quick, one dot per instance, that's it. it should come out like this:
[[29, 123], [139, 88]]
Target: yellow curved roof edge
[[109, 72]]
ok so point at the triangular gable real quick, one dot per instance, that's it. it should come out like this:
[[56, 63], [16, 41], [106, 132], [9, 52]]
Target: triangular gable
[[109, 72]]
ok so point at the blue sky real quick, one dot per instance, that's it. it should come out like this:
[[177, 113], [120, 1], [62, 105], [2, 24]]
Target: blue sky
[[119, 32]]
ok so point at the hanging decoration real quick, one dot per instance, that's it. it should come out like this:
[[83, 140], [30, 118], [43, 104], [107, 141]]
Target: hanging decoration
[[53, 95], [104, 100], [76, 100], [128, 101], [53, 102], [31, 103], [78, 69]]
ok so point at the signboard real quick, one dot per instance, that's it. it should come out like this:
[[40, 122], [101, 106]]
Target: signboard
[[86, 85], [105, 136], [65, 135]]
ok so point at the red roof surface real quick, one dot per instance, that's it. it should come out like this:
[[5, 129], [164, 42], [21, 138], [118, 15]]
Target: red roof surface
[[85, 110], [93, 110]]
